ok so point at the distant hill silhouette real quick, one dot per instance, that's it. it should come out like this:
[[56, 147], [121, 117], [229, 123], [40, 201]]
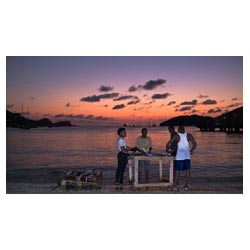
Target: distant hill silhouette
[[16, 120], [189, 120], [230, 121], [62, 124]]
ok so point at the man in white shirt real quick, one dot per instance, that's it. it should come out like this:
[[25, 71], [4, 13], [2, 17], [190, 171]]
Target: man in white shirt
[[122, 156], [182, 159]]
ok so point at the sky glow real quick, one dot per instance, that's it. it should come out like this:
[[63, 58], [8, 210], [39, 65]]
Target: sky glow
[[112, 90]]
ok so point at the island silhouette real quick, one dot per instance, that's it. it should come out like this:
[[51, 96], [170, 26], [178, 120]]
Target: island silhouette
[[16, 120], [231, 121]]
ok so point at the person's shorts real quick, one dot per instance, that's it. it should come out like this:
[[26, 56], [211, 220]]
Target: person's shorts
[[182, 165], [144, 165]]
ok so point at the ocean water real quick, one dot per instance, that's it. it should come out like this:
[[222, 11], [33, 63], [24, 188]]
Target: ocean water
[[80, 147]]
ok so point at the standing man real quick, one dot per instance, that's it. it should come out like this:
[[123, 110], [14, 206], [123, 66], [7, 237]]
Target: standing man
[[144, 145], [122, 156], [173, 149], [173, 133], [182, 159]]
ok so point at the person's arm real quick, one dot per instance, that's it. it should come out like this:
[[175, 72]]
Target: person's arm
[[125, 149], [168, 146], [169, 143], [123, 146], [150, 145], [141, 151], [194, 143]]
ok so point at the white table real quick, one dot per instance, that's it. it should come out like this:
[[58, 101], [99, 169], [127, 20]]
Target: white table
[[160, 157]]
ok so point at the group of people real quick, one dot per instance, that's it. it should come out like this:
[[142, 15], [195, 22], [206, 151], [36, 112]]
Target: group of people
[[178, 146], [143, 144]]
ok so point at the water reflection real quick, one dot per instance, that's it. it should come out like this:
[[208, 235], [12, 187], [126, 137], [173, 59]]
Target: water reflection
[[86, 147]]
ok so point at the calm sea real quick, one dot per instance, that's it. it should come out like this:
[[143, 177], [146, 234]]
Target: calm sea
[[79, 147]]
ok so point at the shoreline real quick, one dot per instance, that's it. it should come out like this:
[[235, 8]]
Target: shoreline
[[47, 181]]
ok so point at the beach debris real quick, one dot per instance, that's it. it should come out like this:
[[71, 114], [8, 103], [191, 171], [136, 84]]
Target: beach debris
[[88, 180]]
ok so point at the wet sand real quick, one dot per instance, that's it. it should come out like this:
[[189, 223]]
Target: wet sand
[[47, 181]]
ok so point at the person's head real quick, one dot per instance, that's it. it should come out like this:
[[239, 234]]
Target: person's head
[[181, 129], [144, 132], [121, 132], [171, 129]]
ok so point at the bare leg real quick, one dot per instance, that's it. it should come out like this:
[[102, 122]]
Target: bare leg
[[187, 177], [176, 180]]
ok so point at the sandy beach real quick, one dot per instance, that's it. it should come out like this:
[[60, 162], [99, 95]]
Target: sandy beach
[[47, 181]]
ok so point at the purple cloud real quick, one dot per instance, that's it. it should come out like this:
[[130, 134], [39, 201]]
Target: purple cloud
[[132, 88], [152, 84], [125, 97], [97, 98], [93, 98], [209, 102], [171, 103], [105, 88], [133, 102], [119, 106], [185, 108], [234, 105], [194, 102], [160, 96], [213, 111], [108, 96]]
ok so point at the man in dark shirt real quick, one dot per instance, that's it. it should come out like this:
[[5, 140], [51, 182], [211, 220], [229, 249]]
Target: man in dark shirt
[[172, 132]]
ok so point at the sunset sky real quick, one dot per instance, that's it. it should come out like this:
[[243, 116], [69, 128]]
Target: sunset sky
[[114, 90]]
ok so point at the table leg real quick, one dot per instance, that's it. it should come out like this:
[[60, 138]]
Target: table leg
[[136, 171], [171, 171], [160, 166], [130, 170]]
